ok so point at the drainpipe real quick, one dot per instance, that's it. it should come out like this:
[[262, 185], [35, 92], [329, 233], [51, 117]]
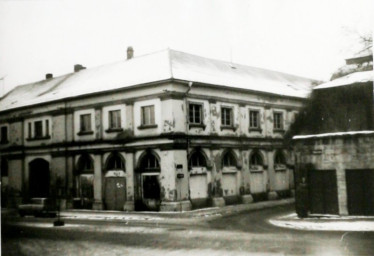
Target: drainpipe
[[67, 192], [187, 128], [187, 116]]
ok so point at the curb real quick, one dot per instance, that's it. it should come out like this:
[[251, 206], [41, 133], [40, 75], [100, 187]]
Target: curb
[[346, 223], [187, 216]]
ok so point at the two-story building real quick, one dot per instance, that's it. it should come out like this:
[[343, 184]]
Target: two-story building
[[165, 131]]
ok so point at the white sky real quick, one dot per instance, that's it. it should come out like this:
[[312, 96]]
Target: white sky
[[309, 38]]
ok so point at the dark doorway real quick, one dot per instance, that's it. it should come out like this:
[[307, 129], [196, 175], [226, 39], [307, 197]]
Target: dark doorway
[[360, 191], [323, 196], [151, 187], [147, 184], [39, 178]]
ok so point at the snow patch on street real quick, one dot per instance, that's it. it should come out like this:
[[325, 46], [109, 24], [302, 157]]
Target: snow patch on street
[[93, 228], [110, 217], [338, 225]]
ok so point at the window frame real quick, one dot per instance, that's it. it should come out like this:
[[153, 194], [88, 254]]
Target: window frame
[[86, 130], [195, 124], [4, 139], [280, 166], [259, 167], [118, 121], [38, 129], [258, 126], [231, 154], [199, 155], [224, 125], [113, 158], [151, 118], [276, 121]]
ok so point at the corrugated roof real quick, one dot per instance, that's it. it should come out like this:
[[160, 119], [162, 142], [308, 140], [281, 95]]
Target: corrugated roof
[[159, 66], [353, 78]]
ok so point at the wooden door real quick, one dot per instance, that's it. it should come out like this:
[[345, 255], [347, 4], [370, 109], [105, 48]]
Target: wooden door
[[360, 191], [115, 193], [323, 196]]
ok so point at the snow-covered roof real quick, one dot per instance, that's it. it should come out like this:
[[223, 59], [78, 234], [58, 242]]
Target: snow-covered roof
[[353, 78], [160, 66], [334, 134], [368, 51]]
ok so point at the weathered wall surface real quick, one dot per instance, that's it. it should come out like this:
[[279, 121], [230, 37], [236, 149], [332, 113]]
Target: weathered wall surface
[[339, 153], [171, 117]]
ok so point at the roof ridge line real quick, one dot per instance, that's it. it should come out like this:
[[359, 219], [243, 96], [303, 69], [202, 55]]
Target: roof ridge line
[[170, 62]]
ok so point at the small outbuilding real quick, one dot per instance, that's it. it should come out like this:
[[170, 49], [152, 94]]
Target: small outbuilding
[[334, 145]]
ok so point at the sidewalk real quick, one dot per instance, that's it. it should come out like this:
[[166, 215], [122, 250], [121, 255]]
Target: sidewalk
[[171, 217], [326, 223]]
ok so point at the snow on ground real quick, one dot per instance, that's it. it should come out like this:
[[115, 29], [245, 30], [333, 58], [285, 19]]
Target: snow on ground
[[329, 223], [109, 217], [94, 228], [39, 247]]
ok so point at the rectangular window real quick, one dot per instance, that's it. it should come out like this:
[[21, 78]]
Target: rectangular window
[[29, 130], [148, 115], [254, 119], [278, 121], [115, 119], [195, 113], [4, 134], [226, 116], [46, 127], [38, 129], [85, 123]]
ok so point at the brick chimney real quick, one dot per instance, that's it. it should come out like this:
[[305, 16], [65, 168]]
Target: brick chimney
[[48, 76], [130, 52], [78, 67]]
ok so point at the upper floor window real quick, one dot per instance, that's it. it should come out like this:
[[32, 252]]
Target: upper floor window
[[254, 119], [38, 129], [148, 115], [278, 121], [85, 123], [4, 135], [229, 160], [226, 116], [115, 119], [197, 159], [195, 113]]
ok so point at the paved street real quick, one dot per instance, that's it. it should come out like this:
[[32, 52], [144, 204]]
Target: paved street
[[241, 234]]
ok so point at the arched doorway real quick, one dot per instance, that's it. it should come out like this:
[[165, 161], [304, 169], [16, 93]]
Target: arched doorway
[[258, 174], [147, 182], [39, 178], [230, 183], [198, 180], [281, 173], [84, 179], [115, 183]]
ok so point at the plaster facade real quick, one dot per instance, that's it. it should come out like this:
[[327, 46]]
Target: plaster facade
[[156, 152]]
